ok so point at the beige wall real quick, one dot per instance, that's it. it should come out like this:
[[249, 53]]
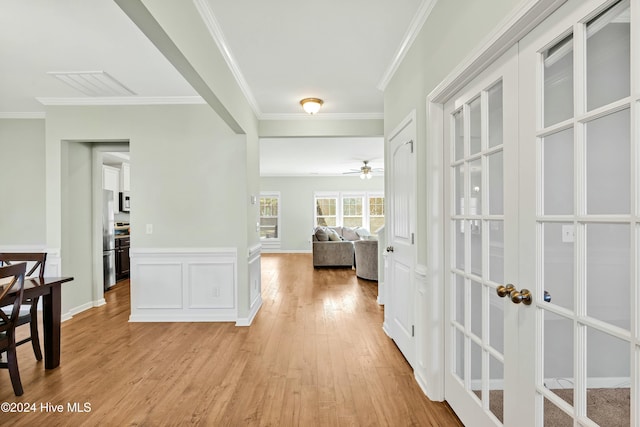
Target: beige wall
[[77, 214], [188, 179], [22, 172], [452, 31], [296, 203]]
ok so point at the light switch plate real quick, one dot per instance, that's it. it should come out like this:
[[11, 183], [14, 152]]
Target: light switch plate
[[568, 233]]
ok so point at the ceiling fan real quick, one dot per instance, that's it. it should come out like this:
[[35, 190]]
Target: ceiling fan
[[365, 171]]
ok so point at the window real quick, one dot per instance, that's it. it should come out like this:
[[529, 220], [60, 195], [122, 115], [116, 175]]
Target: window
[[326, 211], [353, 209], [376, 213], [352, 212], [269, 215]]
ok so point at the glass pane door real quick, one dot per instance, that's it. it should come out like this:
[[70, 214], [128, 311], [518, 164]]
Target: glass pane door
[[587, 220], [476, 156]]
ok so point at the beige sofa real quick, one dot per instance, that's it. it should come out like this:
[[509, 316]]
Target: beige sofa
[[333, 246], [366, 253]]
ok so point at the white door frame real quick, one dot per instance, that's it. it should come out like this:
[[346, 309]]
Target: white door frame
[[430, 368]]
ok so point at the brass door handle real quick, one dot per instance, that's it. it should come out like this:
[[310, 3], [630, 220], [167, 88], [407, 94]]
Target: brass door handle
[[503, 291], [523, 296]]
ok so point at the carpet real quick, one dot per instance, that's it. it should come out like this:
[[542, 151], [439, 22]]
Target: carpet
[[608, 407]]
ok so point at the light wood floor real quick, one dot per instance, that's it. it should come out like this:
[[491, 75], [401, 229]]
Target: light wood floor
[[315, 355]]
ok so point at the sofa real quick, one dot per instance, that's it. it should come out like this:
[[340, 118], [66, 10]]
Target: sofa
[[366, 255], [333, 246]]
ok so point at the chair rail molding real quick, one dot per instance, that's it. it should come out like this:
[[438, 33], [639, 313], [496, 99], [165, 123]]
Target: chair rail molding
[[184, 285]]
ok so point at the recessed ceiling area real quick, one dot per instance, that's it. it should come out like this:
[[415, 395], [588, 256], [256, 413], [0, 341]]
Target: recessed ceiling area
[[284, 51], [332, 49], [280, 51], [43, 36], [319, 156]]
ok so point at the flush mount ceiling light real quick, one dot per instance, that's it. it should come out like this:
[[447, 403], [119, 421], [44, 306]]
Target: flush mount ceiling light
[[311, 105], [93, 83]]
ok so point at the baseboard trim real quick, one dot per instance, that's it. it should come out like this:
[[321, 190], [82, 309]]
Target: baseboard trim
[[285, 251], [79, 309], [385, 328], [246, 321], [600, 382], [423, 384], [182, 317]]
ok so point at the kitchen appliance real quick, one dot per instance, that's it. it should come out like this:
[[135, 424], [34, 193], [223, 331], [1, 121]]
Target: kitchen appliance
[[124, 202], [108, 240]]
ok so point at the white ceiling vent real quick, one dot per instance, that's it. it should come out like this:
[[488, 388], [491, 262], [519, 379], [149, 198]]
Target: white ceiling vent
[[93, 83]]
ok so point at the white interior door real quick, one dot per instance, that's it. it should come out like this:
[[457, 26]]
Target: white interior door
[[400, 284], [481, 232], [580, 223]]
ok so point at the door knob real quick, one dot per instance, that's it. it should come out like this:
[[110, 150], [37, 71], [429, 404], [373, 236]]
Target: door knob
[[523, 296], [389, 248], [503, 291]]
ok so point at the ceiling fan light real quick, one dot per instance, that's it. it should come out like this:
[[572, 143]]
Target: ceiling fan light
[[369, 176], [363, 175], [311, 105]]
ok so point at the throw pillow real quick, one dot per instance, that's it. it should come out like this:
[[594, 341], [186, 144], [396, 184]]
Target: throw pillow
[[350, 234], [334, 236], [362, 232], [321, 234]]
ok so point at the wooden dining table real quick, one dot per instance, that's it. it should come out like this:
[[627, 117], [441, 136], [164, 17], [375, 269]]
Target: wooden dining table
[[50, 290]]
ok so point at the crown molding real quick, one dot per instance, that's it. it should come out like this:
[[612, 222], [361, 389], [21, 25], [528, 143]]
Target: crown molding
[[320, 116], [215, 30], [24, 115], [123, 100], [412, 33], [513, 27]]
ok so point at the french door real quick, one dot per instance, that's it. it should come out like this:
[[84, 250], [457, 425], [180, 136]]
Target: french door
[[562, 348], [481, 209]]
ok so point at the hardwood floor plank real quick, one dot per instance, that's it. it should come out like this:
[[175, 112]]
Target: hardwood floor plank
[[315, 355]]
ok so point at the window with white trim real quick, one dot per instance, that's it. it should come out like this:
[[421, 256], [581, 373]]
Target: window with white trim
[[269, 216], [326, 211], [352, 214], [350, 209], [376, 213]]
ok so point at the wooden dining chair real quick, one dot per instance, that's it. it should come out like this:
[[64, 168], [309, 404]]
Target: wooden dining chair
[[12, 279], [29, 310]]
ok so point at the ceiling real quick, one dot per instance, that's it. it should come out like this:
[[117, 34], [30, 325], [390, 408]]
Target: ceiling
[[283, 50]]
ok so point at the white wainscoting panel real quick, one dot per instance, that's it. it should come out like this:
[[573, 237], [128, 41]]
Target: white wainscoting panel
[[52, 267], [159, 285], [208, 285], [429, 337], [255, 285], [255, 288], [184, 285]]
